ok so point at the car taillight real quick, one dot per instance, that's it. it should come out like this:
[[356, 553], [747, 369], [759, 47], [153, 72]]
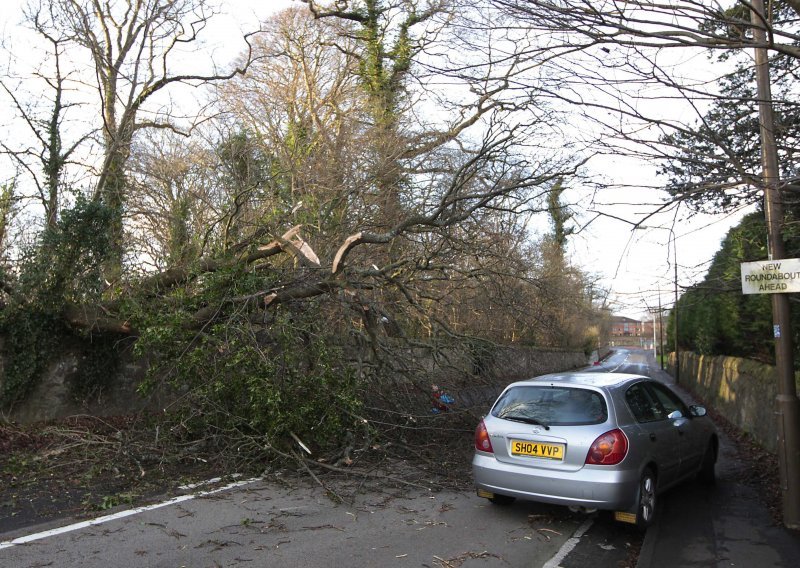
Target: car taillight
[[482, 442], [608, 449]]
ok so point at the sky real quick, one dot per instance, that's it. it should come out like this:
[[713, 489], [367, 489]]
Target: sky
[[636, 267]]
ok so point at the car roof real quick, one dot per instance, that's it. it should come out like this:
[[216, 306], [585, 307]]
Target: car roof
[[599, 380]]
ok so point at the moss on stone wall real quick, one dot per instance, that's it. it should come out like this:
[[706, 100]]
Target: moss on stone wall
[[741, 390]]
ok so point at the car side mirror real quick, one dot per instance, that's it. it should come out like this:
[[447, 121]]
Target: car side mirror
[[675, 414], [698, 410]]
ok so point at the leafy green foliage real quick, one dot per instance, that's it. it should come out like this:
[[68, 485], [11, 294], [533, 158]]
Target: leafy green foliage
[[715, 318], [247, 377], [98, 364], [108, 501], [716, 166], [247, 381], [387, 56], [560, 215], [64, 267], [30, 338], [716, 163], [6, 209]]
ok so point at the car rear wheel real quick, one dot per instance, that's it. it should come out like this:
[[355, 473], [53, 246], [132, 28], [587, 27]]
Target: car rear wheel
[[502, 499], [646, 508], [707, 472]]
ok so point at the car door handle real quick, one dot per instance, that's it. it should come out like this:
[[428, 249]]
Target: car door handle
[[652, 437]]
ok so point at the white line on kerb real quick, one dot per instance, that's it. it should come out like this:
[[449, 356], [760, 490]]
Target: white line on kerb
[[568, 546], [120, 515], [190, 486]]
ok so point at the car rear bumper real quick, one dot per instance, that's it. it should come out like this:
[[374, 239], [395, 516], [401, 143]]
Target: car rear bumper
[[593, 487]]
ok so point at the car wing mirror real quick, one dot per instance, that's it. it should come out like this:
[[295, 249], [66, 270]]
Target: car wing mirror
[[698, 410], [675, 414]]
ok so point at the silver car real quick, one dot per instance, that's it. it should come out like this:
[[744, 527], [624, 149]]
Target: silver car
[[590, 441]]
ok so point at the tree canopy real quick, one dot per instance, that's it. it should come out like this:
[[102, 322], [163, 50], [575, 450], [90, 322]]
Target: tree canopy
[[715, 318], [360, 184], [716, 163], [347, 192]]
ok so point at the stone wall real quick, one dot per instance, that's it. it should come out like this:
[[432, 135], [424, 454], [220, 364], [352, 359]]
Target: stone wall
[[519, 363], [54, 398], [741, 390], [456, 369]]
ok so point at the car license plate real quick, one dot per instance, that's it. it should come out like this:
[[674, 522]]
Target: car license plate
[[537, 450]]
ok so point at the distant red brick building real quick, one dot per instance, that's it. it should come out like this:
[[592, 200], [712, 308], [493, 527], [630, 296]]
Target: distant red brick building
[[625, 327], [628, 331]]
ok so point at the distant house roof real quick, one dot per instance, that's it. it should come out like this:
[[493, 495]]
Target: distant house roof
[[623, 319]]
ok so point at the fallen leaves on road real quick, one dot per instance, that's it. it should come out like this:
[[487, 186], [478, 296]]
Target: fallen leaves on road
[[459, 560], [547, 536]]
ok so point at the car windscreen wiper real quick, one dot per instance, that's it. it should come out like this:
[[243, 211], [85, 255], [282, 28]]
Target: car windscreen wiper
[[526, 420]]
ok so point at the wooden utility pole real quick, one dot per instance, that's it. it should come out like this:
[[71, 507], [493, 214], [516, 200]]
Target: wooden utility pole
[[661, 328], [787, 404], [675, 315]]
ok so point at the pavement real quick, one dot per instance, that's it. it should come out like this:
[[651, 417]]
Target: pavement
[[727, 524]]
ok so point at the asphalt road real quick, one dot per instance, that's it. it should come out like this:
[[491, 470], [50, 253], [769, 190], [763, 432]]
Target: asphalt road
[[270, 524], [627, 360], [728, 524]]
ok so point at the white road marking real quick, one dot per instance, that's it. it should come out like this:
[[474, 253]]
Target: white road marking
[[568, 546], [120, 515], [213, 480], [624, 361]]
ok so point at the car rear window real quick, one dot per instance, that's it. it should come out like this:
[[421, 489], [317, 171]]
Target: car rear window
[[551, 406]]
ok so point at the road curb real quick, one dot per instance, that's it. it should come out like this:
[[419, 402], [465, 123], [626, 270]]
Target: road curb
[[645, 559]]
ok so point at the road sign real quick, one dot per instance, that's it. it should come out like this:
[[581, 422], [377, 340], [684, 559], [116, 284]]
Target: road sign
[[771, 276]]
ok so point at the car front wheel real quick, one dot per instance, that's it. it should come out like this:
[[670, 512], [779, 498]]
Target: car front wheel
[[646, 508], [707, 472]]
